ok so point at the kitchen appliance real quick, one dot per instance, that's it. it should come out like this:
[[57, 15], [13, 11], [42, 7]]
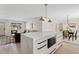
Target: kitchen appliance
[[17, 37], [51, 41]]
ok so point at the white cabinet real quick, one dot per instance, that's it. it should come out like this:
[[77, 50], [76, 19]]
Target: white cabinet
[[42, 25], [37, 43], [48, 26], [29, 45], [40, 46], [2, 29]]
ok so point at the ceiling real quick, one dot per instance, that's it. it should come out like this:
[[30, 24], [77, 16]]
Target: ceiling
[[30, 11]]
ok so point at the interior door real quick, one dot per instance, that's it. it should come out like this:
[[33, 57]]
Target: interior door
[[2, 29]]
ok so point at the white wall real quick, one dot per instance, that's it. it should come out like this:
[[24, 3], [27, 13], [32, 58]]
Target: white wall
[[73, 20], [31, 12], [48, 26]]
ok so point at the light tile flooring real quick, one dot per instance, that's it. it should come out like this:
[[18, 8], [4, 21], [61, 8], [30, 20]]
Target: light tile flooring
[[68, 47], [10, 48]]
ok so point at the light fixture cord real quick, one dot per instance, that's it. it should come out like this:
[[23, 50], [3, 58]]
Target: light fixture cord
[[67, 20], [46, 10]]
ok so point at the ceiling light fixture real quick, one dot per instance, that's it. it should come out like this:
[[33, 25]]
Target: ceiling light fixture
[[41, 18], [67, 20], [49, 20]]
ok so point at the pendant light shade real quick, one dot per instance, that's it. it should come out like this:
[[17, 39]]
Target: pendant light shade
[[45, 4], [49, 20], [41, 19]]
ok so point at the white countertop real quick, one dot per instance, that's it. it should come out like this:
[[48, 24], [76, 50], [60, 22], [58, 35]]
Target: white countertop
[[38, 35]]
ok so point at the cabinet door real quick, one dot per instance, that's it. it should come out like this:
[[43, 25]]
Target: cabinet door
[[2, 29], [48, 26]]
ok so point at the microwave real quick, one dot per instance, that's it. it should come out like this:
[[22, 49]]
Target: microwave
[[51, 41]]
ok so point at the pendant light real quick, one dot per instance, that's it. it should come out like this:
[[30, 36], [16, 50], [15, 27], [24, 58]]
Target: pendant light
[[45, 10], [49, 20], [67, 20], [41, 18], [67, 23]]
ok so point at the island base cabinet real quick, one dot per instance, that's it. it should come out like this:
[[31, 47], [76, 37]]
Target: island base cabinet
[[26, 45], [38, 46], [41, 51]]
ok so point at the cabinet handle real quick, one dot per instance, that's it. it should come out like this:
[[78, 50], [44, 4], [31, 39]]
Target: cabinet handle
[[52, 51], [59, 43], [41, 47], [41, 42]]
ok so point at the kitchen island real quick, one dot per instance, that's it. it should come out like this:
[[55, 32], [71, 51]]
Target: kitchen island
[[40, 42]]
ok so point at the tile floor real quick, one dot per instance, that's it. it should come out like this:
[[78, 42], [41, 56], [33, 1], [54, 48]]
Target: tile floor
[[68, 47], [10, 48]]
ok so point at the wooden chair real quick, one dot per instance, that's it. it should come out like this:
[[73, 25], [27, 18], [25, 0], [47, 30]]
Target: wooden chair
[[65, 34]]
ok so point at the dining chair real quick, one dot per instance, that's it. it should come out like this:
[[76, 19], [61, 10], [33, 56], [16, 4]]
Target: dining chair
[[65, 34], [73, 35]]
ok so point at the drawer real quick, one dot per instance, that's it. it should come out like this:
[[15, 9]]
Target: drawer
[[59, 45], [53, 51], [59, 39], [41, 50], [55, 47], [40, 43]]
